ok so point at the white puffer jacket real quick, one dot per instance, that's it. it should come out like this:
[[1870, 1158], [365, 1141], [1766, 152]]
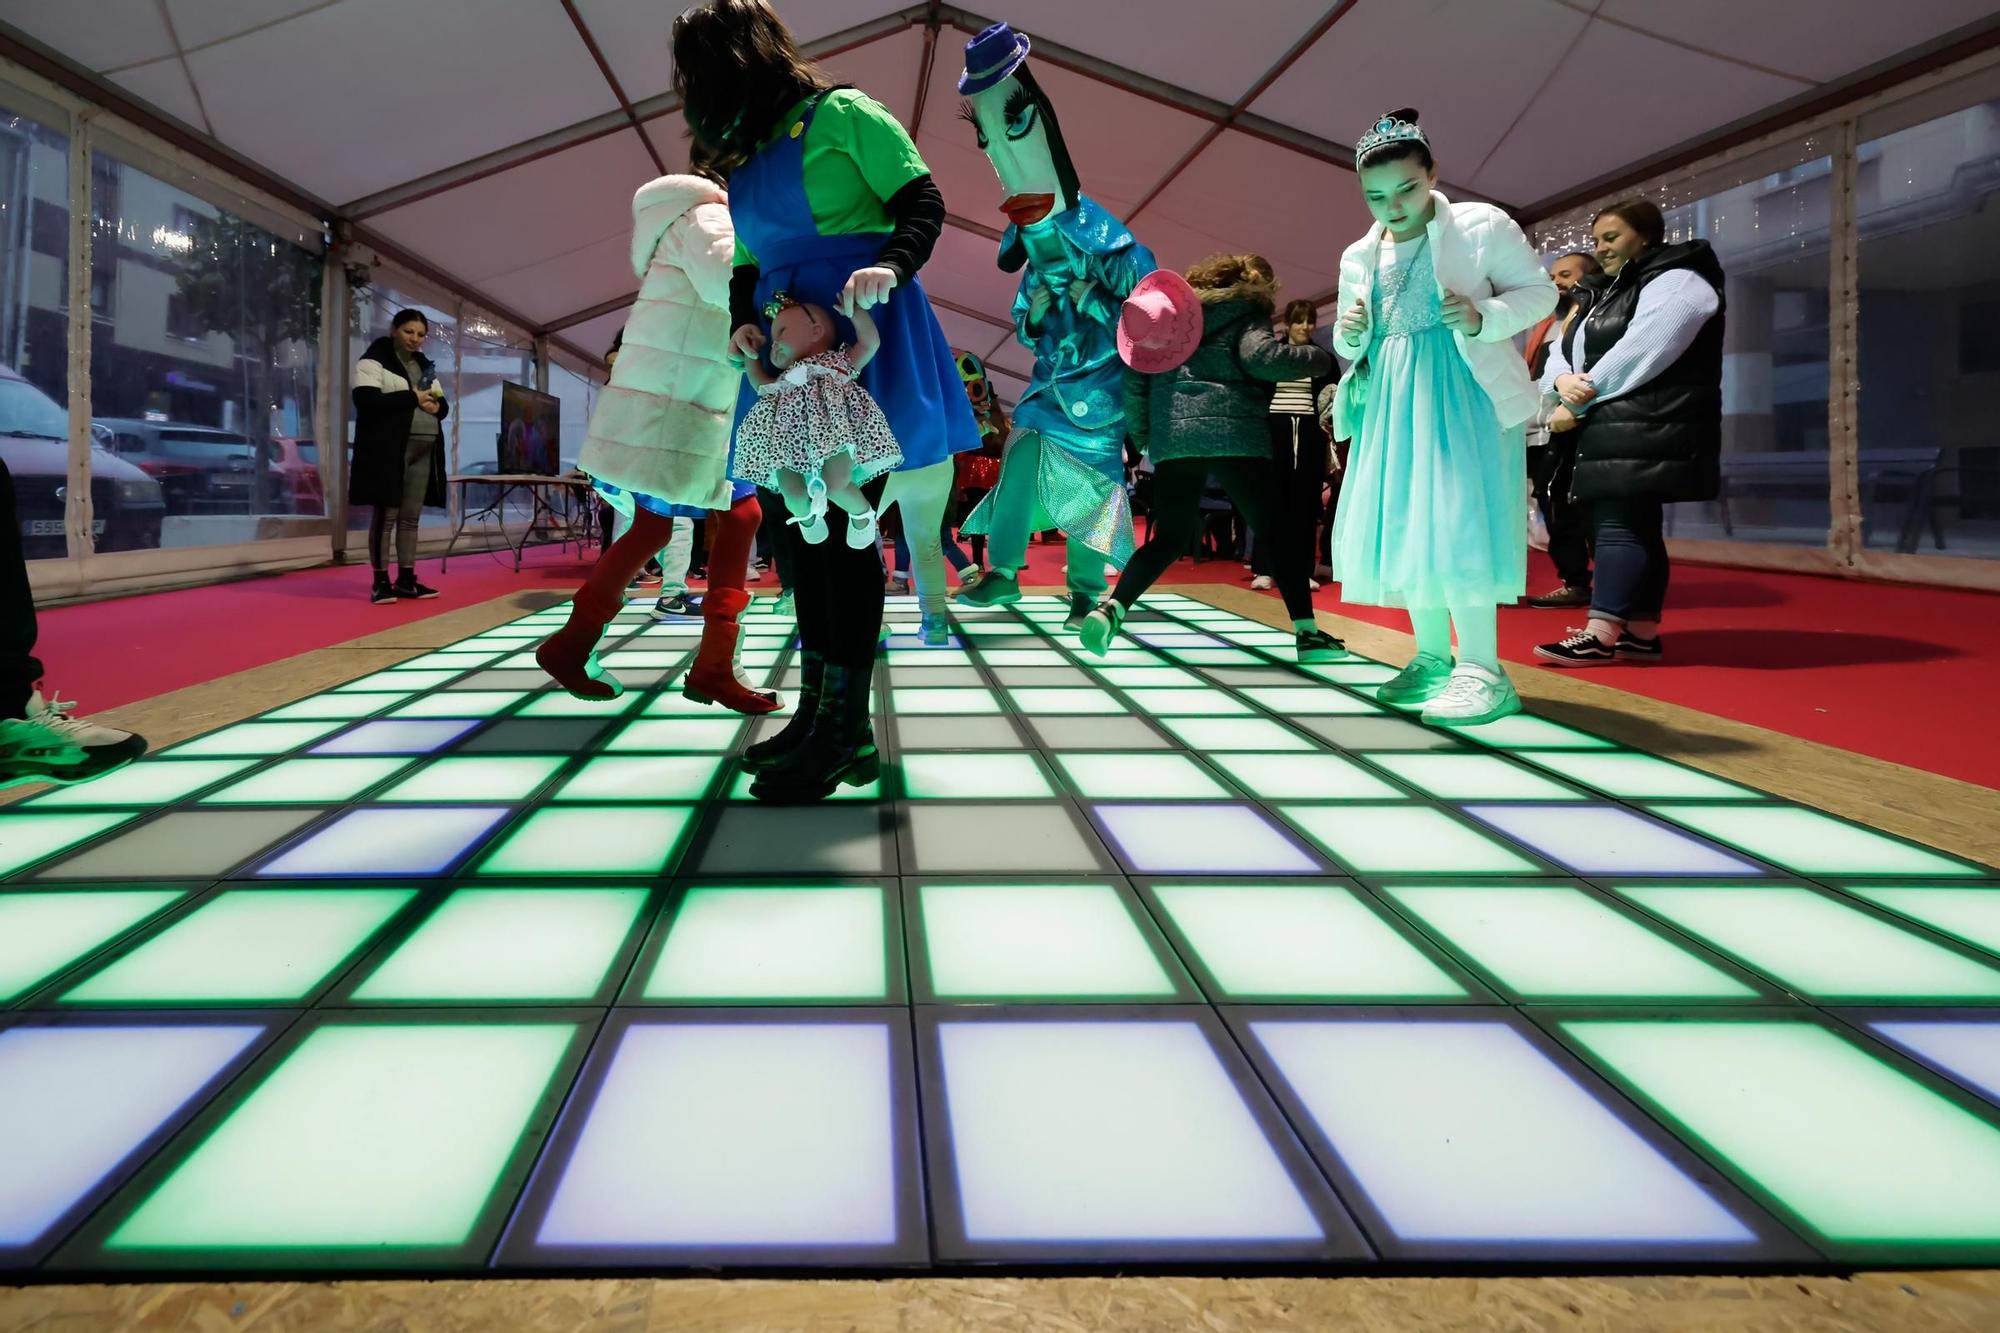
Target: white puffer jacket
[[662, 425], [1477, 251]]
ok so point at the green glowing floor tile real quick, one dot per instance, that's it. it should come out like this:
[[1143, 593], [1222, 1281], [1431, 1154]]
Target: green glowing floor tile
[[1308, 701], [246, 946], [1305, 942], [1810, 843], [672, 703], [955, 703], [1258, 638], [155, 782], [783, 944], [622, 659], [310, 781], [933, 677], [1556, 942], [1972, 915], [255, 738], [1522, 732], [1404, 840], [1040, 942], [669, 734], [1638, 777], [458, 703], [1149, 678], [1021, 657], [1856, 1152], [397, 682], [1162, 777], [940, 777], [323, 707], [375, 1139], [666, 777], [1473, 777], [43, 933], [1822, 948], [740, 785], [1066, 702], [1115, 657], [928, 657], [450, 659], [1215, 657], [488, 778], [634, 841], [1189, 703], [520, 945], [28, 838], [1203, 734], [1352, 673], [951, 733], [991, 629], [1305, 777]]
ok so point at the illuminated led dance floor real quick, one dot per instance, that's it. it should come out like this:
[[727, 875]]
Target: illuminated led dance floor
[[1181, 956]]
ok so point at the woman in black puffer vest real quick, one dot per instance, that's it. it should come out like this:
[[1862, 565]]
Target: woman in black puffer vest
[[1639, 378]]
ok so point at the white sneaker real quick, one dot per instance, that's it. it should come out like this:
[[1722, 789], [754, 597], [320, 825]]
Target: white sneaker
[[1263, 583], [1471, 697], [48, 745]]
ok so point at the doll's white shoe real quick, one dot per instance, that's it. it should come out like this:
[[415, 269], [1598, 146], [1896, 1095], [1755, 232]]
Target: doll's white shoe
[[811, 526], [861, 530]]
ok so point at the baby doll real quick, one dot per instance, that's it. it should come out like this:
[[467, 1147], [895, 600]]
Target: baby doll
[[814, 434]]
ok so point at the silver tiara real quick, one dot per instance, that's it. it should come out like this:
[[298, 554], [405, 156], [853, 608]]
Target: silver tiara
[[1389, 130]]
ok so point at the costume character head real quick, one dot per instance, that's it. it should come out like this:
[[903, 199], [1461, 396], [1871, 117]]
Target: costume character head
[[1018, 131]]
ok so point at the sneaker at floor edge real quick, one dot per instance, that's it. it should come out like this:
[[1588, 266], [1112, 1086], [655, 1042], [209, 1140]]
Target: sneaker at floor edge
[[409, 590], [1580, 649], [1472, 697], [1562, 595], [1315, 646], [1263, 583], [1631, 648], [679, 605], [1423, 679], [48, 745], [383, 592]]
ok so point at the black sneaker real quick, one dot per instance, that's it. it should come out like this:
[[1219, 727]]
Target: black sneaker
[[1580, 649], [1564, 595], [1632, 648], [1316, 645], [1079, 607], [408, 589], [384, 591], [679, 605]]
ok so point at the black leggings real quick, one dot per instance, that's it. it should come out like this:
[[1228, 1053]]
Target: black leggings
[[19, 671], [774, 534], [837, 591], [1252, 485]]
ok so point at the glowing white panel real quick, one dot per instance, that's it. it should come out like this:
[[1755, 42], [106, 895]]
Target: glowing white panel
[[736, 1134], [1466, 1132], [60, 1134], [1035, 941], [1307, 941], [776, 943], [1108, 1131], [509, 944], [41, 933]]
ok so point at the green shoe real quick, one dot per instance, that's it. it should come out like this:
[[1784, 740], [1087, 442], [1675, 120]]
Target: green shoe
[[1100, 627], [1423, 679], [996, 589]]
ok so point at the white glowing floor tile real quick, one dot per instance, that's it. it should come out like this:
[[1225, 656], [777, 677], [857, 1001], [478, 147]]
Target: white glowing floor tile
[[183, 844], [1868, 1160], [1300, 942], [1609, 840], [1199, 702], [42, 933], [369, 1142], [1305, 777], [1966, 1051], [1204, 734], [1473, 777], [515, 945], [1820, 947], [27, 838], [309, 781], [1404, 839], [1555, 942], [671, 734], [156, 783], [323, 707], [1464, 1134], [737, 945], [1303, 701], [420, 840], [1972, 915], [487, 778], [1034, 943], [664, 777], [62, 1138], [698, 1140], [1130, 1137], [1012, 775], [1215, 839], [246, 946], [633, 841], [1810, 843], [1637, 777], [402, 736], [1159, 777], [1025, 837]]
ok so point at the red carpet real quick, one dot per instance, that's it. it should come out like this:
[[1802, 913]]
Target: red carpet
[[1901, 673]]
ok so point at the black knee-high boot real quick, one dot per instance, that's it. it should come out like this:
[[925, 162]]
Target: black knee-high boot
[[778, 748], [841, 748]]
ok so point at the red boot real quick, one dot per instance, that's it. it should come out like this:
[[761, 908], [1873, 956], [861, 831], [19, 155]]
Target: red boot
[[570, 654], [712, 679]]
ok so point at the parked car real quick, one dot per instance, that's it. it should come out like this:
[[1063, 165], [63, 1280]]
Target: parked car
[[202, 469], [126, 504], [301, 488]]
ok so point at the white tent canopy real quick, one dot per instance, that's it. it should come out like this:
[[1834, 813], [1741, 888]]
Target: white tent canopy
[[500, 141]]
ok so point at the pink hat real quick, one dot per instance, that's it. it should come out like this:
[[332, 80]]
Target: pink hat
[[1160, 325]]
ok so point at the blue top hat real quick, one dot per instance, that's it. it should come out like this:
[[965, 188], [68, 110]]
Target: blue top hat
[[991, 57]]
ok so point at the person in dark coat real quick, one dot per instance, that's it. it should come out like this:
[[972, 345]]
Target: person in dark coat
[[1639, 379], [398, 468], [1198, 403], [1301, 451]]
